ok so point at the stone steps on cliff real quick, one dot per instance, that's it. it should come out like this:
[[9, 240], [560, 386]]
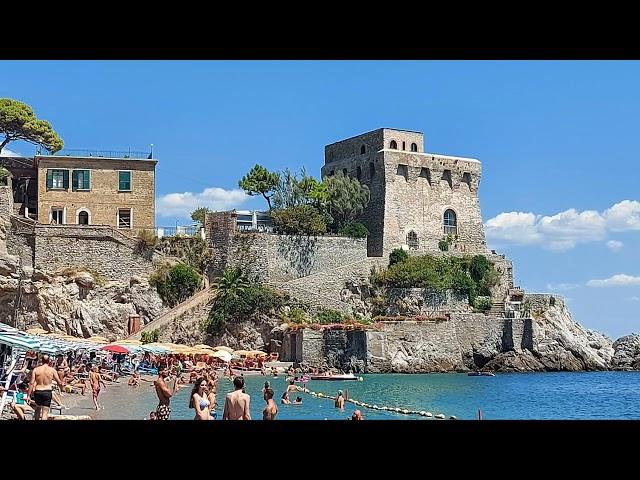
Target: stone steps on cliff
[[191, 303], [497, 308]]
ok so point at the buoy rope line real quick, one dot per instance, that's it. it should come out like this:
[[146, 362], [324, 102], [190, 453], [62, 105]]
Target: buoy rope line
[[404, 411]]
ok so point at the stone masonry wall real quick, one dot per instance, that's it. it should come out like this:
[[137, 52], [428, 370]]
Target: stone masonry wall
[[416, 198], [277, 259], [21, 240], [101, 249], [422, 301], [466, 341], [6, 200], [103, 199]]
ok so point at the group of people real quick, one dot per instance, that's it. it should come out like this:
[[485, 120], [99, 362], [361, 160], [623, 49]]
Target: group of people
[[35, 385]]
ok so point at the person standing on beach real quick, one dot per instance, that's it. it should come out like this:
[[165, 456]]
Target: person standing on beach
[[163, 411], [41, 389], [236, 404], [96, 379], [340, 400]]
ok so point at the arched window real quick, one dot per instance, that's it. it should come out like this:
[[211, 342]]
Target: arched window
[[362, 150], [412, 240], [450, 222], [393, 145], [414, 147], [372, 170], [83, 218], [358, 172]]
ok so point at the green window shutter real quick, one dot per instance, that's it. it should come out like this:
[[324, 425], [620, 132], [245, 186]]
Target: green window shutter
[[124, 180], [65, 179], [74, 179], [49, 178], [86, 180]]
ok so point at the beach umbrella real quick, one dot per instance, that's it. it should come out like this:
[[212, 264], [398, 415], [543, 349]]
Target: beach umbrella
[[129, 342], [240, 353], [224, 349], [258, 353], [115, 349], [37, 331], [25, 342], [203, 346], [98, 339], [222, 355]]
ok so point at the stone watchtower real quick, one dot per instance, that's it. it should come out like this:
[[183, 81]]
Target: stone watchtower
[[417, 198]]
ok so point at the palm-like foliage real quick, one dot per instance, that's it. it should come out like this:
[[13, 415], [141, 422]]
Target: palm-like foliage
[[231, 284]]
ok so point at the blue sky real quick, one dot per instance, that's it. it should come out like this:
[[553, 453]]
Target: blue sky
[[558, 142]]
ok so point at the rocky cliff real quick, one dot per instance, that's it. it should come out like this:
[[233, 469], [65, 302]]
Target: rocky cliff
[[73, 302]]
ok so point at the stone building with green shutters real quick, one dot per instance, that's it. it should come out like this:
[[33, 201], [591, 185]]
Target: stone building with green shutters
[[96, 191]]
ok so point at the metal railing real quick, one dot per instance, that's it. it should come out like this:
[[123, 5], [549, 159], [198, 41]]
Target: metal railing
[[184, 231], [98, 153]]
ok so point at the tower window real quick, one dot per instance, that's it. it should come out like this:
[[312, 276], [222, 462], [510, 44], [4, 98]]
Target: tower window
[[414, 147], [404, 146], [412, 240], [362, 150], [446, 176], [358, 172], [450, 222], [393, 145], [372, 170], [425, 173], [466, 178], [403, 170]]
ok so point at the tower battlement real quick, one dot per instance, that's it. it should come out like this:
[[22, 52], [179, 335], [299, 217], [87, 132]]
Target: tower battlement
[[417, 198]]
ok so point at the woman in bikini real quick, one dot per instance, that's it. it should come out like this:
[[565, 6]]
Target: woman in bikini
[[199, 400]]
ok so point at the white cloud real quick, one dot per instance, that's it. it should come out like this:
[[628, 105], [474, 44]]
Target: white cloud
[[562, 286], [182, 204], [623, 216], [619, 280], [9, 153], [566, 229], [633, 299], [615, 245]]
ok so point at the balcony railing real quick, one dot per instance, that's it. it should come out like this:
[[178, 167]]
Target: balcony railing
[[98, 153], [179, 231]]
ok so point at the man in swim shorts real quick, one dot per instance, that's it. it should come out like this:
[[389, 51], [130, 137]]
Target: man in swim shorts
[[41, 387], [163, 411]]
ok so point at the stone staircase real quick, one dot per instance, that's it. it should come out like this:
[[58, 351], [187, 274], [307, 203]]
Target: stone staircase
[[497, 308], [190, 304]]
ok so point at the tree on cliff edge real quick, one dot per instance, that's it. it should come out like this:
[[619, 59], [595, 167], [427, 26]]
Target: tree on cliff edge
[[18, 122], [260, 181]]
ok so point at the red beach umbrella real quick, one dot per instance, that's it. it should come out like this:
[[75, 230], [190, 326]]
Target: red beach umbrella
[[115, 349]]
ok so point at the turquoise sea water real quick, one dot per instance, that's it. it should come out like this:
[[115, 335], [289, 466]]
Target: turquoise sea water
[[589, 395]]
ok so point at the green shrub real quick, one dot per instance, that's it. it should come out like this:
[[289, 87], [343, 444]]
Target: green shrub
[[150, 337], [440, 274], [296, 315], [246, 303], [354, 230], [397, 255], [328, 315], [299, 220], [175, 283], [483, 304], [445, 243]]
